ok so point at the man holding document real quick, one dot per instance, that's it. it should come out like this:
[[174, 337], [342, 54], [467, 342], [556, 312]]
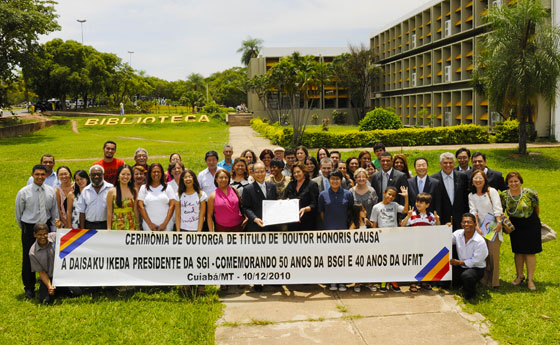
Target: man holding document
[[253, 196]]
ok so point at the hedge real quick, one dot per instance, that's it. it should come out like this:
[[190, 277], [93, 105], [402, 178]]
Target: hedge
[[461, 134]]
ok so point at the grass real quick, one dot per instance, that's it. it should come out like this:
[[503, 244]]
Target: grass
[[103, 316], [518, 316]]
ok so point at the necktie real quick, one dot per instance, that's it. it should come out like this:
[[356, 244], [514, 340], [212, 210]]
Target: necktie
[[326, 183], [420, 186], [42, 209], [450, 188], [385, 181]]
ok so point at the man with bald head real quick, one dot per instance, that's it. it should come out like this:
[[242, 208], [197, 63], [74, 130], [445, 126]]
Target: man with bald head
[[92, 203], [253, 196]]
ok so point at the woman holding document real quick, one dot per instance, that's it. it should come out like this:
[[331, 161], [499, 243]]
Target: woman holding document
[[486, 206], [307, 191]]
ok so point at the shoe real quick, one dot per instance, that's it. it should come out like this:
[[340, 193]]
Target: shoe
[[394, 287], [372, 287], [383, 287], [413, 288], [518, 281], [29, 294], [333, 287], [531, 285], [426, 286], [342, 287], [357, 288]]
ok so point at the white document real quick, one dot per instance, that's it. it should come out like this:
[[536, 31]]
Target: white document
[[280, 211]]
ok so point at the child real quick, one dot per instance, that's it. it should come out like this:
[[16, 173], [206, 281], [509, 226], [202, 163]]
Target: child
[[41, 256], [359, 221], [421, 217], [384, 215]]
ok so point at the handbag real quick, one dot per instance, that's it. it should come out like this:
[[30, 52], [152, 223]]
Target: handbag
[[547, 234]]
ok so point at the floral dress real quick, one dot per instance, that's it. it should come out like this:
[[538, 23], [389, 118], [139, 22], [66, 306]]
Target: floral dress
[[124, 217]]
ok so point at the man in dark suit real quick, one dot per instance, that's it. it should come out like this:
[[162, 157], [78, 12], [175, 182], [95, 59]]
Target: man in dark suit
[[463, 156], [388, 176], [495, 178], [455, 191], [424, 183], [253, 196]]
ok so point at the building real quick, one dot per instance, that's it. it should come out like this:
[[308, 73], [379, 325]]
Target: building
[[427, 59], [331, 98]]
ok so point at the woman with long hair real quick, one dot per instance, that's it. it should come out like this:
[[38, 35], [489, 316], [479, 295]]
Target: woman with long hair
[[311, 167], [307, 191], [322, 153], [363, 158], [485, 200], [175, 169], [400, 164], [352, 164], [81, 180], [122, 210], [66, 186], [192, 203], [266, 157], [156, 202]]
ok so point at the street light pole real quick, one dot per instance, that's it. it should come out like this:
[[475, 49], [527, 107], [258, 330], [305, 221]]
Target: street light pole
[[82, 21], [130, 57]]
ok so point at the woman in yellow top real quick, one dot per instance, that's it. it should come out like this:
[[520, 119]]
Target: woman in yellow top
[[122, 210]]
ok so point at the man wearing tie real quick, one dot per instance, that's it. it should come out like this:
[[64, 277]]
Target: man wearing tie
[[253, 196], [388, 176], [455, 191], [35, 203], [495, 178], [424, 183]]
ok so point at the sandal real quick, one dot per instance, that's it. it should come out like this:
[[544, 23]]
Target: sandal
[[518, 281], [413, 288], [531, 285]]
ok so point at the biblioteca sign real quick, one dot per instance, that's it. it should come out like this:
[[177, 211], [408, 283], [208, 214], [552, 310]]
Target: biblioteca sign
[[111, 121]]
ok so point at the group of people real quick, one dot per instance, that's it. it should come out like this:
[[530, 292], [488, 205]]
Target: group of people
[[333, 194]]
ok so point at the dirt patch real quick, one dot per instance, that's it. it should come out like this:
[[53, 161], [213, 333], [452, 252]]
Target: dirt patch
[[33, 117]]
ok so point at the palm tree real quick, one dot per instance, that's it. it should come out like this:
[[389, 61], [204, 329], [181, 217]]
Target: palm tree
[[196, 82], [250, 48], [520, 60]]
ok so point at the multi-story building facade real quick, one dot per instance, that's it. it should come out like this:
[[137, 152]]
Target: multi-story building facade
[[427, 59], [332, 96]]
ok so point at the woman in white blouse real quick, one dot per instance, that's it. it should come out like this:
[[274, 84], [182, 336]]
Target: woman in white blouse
[[484, 200], [156, 202]]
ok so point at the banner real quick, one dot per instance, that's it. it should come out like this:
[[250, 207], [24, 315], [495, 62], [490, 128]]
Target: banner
[[126, 258]]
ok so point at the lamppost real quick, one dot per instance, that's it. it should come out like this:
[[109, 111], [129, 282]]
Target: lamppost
[[130, 57], [82, 21]]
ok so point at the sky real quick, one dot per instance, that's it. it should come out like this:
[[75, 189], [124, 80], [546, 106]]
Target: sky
[[174, 38]]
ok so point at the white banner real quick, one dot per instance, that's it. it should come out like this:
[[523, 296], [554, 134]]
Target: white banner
[[126, 258]]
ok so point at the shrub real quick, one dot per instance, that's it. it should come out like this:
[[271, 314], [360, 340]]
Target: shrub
[[507, 131], [339, 117], [462, 134], [380, 118]]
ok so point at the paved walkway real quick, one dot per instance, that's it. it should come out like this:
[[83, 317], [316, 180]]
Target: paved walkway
[[308, 314], [242, 138]]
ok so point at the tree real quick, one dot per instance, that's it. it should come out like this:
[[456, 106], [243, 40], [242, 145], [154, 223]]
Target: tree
[[196, 82], [250, 48], [297, 79], [21, 22], [229, 87], [355, 71], [520, 60]]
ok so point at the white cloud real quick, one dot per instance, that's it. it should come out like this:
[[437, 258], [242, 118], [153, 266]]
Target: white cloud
[[173, 38]]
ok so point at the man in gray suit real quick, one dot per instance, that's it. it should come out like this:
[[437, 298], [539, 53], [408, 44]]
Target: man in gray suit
[[322, 180]]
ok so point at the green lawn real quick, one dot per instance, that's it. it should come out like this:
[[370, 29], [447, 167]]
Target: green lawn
[[517, 315], [147, 316]]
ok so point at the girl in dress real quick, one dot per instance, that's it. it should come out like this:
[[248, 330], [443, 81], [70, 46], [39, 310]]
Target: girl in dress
[[66, 187], [122, 210], [81, 180], [192, 203]]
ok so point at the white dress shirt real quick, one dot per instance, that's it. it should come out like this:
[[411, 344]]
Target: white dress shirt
[[94, 204], [206, 181], [474, 252], [480, 205], [27, 208], [52, 180]]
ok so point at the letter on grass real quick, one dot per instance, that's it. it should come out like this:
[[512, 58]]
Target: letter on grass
[[176, 119], [203, 118], [91, 122], [190, 117], [151, 118], [112, 121]]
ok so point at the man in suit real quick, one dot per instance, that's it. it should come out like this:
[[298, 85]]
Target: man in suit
[[424, 183], [455, 191], [322, 180], [463, 156], [388, 176], [495, 178], [253, 196]]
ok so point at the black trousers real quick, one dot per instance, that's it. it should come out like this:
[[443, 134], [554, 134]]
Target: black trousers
[[467, 278], [29, 278], [96, 225]]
